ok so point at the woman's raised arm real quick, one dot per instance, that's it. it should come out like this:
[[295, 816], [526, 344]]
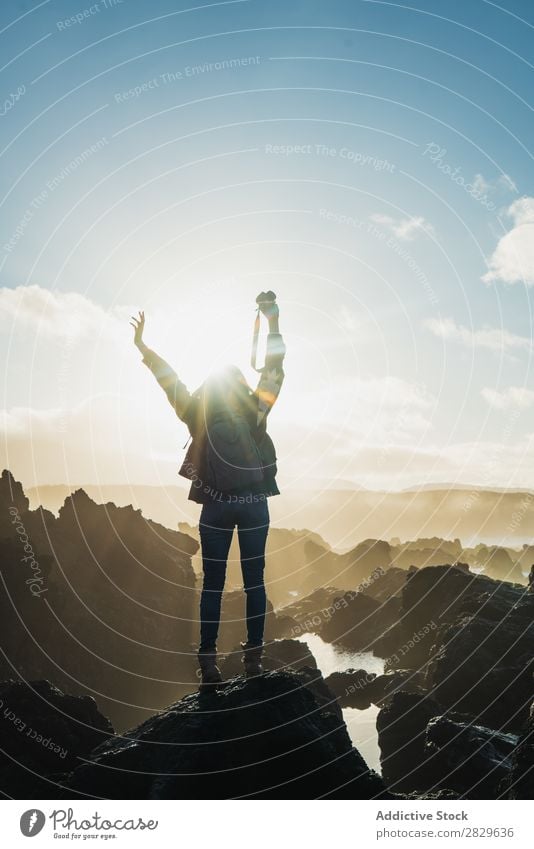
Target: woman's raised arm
[[177, 393]]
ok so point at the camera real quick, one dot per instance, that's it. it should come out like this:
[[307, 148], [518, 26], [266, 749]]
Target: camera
[[266, 298]]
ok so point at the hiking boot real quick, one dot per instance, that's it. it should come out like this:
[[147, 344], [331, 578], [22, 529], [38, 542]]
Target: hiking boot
[[209, 671], [252, 659]]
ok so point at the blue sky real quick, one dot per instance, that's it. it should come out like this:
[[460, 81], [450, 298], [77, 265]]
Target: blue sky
[[369, 161]]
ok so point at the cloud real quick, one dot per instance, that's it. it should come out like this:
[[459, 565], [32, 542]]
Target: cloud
[[60, 314], [514, 396], [513, 258], [494, 338], [354, 409], [506, 182], [480, 184], [404, 229], [503, 182]]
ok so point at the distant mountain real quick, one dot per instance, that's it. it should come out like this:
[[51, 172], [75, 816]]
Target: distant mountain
[[342, 517], [432, 487]]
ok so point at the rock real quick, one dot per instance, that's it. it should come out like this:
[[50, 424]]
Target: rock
[[265, 737], [386, 685], [278, 656], [497, 563], [499, 645], [352, 688], [356, 565], [12, 501], [423, 552], [401, 726], [438, 595], [288, 656], [109, 598], [43, 735], [519, 783], [357, 688], [436, 796], [358, 621], [386, 583], [308, 613], [471, 759]]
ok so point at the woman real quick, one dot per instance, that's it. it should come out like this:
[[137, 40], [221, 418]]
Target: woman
[[231, 463]]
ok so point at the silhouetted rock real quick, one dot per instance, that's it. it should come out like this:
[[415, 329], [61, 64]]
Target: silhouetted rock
[[287, 656], [471, 759], [519, 783], [352, 687], [385, 583], [357, 621], [401, 726], [358, 563], [497, 562], [424, 552], [265, 737], [308, 613], [109, 600], [43, 735], [386, 685], [278, 656], [485, 668], [357, 688]]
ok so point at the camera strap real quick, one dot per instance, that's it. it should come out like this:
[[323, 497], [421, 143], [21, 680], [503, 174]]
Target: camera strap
[[255, 337]]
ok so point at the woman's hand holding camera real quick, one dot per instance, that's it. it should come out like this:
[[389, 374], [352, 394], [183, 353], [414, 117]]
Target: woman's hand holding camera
[[266, 302]]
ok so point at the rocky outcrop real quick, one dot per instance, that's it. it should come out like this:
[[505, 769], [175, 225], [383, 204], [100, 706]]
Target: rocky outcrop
[[519, 783], [277, 656], [473, 638], [469, 641], [401, 726], [287, 656], [99, 600], [470, 759], [353, 688], [424, 751], [262, 738], [44, 734], [306, 615], [357, 621], [358, 688]]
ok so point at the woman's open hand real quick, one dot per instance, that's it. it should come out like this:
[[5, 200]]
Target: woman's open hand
[[139, 325]]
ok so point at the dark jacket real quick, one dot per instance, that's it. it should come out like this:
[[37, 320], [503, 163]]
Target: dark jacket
[[187, 408]]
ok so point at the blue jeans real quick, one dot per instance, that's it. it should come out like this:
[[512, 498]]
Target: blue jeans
[[216, 526]]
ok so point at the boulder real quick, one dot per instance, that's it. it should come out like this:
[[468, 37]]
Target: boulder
[[484, 668], [278, 655], [262, 738], [401, 726], [108, 596], [470, 759], [519, 783], [357, 621], [44, 734], [353, 688]]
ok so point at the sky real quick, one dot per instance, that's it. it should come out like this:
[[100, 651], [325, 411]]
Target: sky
[[369, 161]]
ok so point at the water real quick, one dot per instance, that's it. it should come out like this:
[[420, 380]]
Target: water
[[361, 724]]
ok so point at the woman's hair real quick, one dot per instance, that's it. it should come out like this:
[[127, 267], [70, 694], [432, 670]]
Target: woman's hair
[[226, 389]]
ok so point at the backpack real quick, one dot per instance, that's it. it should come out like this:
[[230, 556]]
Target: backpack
[[232, 456]]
